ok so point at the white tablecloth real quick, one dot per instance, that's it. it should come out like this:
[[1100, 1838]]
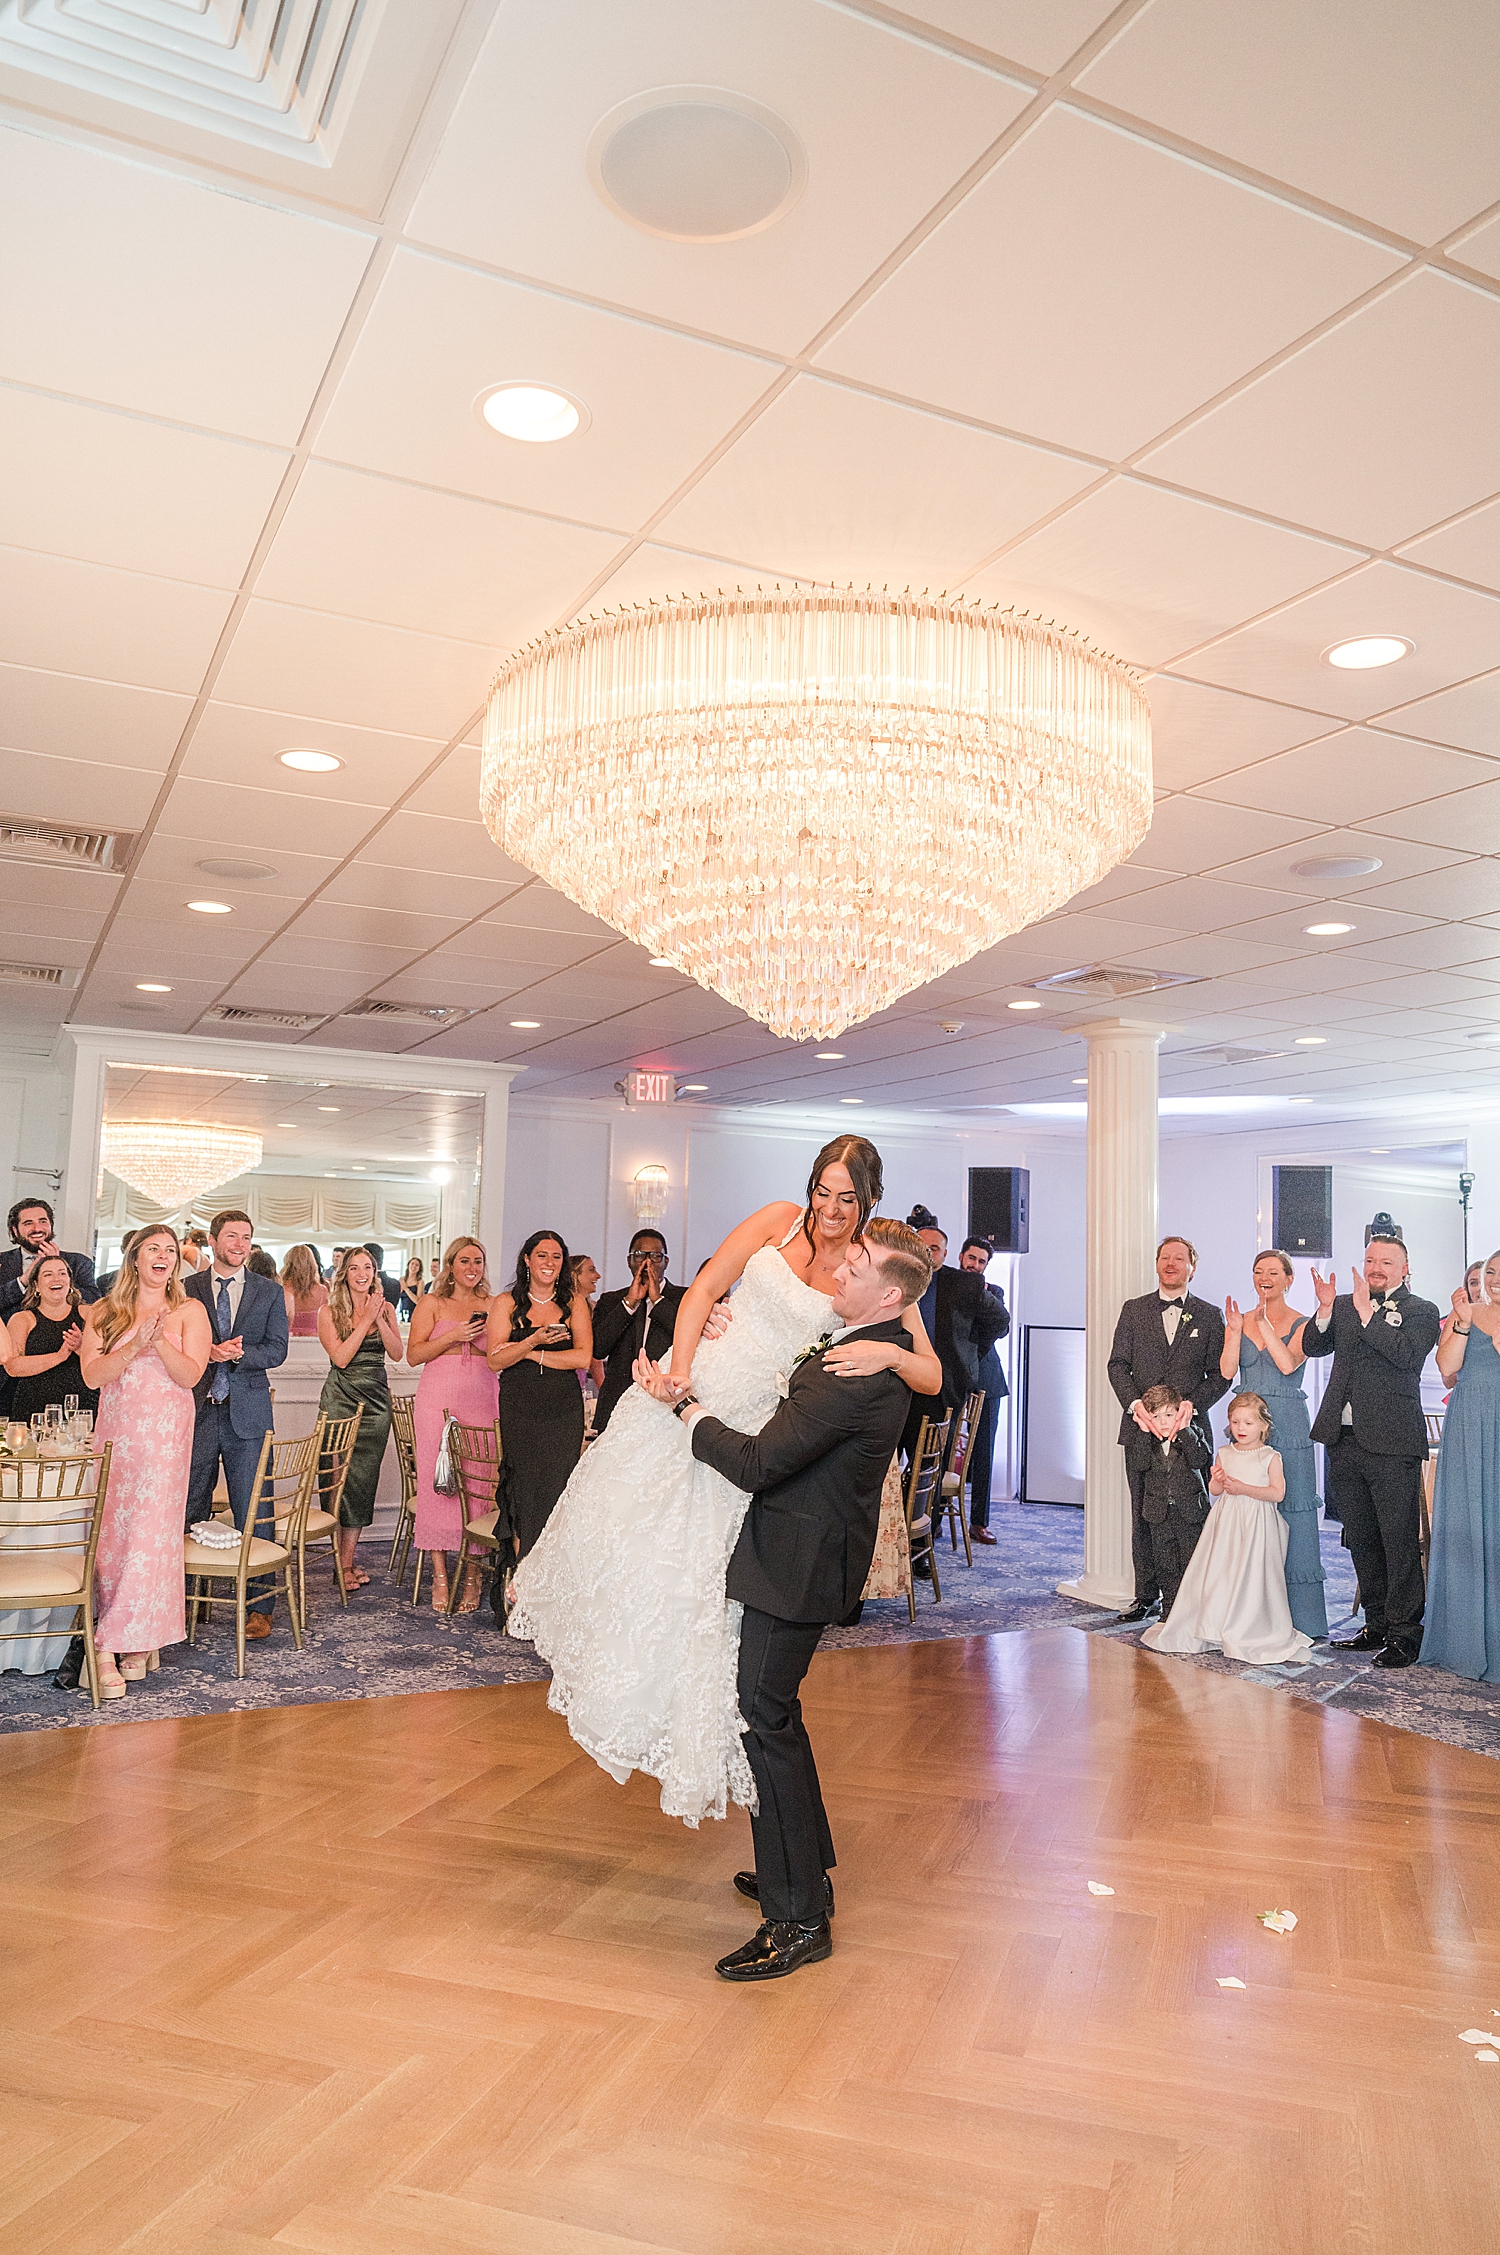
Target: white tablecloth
[[41, 1634]]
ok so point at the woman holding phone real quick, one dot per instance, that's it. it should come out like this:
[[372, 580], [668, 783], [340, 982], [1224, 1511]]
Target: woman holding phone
[[539, 1334], [447, 1344]]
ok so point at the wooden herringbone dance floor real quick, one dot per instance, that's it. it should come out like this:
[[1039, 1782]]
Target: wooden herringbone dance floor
[[409, 1976]]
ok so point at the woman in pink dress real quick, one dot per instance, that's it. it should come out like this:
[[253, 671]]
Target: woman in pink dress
[[145, 1348], [302, 1282], [446, 1341]]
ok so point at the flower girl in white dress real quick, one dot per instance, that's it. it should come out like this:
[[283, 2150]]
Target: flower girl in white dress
[[1233, 1595]]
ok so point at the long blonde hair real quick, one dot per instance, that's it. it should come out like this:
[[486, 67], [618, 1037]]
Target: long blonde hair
[[118, 1313], [300, 1273], [444, 1285], [340, 1293]]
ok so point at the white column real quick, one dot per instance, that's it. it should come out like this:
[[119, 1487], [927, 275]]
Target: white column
[[1121, 1198]]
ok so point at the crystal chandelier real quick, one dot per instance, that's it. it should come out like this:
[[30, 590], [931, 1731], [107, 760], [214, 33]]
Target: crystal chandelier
[[814, 802], [171, 1162]]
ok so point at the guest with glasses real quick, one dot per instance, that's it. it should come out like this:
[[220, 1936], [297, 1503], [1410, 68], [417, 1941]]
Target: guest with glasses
[[638, 1319]]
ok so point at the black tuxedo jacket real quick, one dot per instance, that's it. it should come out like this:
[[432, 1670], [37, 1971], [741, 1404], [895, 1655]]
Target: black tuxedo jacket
[[1140, 1357], [1377, 1370], [617, 1342], [814, 1473], [967, 1321], [12, 1291], [262, 1325], [1174, 1486]]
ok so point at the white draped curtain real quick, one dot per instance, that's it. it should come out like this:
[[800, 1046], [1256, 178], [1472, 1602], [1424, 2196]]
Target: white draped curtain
[[293, 1208]]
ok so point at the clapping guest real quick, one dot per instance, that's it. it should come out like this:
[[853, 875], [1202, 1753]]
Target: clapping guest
[[358, 1332], [639, 1319], [144, 1349], [539, 1333], [306, 1293], [44, 1340], [447, 1344], [1263, 1354], [412, 1288], [1463, 1573]]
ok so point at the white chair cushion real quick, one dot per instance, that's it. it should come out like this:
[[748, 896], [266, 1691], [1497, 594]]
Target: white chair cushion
[[952, 1482], [48, 1573], [197, 1558], [484, 1526], [318, 1523]]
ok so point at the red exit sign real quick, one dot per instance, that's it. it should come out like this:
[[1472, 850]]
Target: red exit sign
[[650, 1088]]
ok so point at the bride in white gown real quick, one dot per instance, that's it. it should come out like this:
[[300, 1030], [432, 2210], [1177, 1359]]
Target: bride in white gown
[[623, 1594]]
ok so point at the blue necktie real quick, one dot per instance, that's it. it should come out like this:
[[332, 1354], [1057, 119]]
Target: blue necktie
[[219, 1390]]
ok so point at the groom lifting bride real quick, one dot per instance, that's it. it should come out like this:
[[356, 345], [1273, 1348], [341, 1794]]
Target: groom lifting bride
[[813, 1473]]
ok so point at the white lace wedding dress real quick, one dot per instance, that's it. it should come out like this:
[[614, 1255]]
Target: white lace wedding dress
[[624, 1592]]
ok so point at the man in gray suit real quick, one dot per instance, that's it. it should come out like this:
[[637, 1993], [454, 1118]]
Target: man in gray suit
[[248, 1315]]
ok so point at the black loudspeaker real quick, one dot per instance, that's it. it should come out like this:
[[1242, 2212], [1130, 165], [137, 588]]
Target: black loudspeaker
[[1302, 1212], [1000, 1207]]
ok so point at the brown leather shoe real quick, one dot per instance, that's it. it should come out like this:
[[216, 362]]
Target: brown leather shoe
[[980, 1534], [257, 1627]]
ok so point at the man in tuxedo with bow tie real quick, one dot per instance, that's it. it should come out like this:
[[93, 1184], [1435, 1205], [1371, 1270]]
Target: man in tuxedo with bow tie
[[1372, 1425], [1169, 1337]]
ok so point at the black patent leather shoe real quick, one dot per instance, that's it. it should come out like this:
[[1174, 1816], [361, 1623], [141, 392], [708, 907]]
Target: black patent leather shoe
[[775, 1950], [67, 1676], [1134, 1613], [1396, 1656], [748, 1884], [1368, 1640]]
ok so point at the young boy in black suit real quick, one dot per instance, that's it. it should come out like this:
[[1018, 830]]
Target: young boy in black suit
[[1175, 1501]]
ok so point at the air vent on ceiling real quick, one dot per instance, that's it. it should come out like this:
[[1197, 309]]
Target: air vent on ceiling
[[1228, 1056], [38, 975], [270, 75], [405, 1013], [1110, 982], [23, 840], [231, 1014]]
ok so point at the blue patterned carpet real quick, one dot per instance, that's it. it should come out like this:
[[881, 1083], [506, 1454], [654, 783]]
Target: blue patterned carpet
[[382, 1646]]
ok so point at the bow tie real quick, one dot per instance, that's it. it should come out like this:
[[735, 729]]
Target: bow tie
[[1174, 1303]]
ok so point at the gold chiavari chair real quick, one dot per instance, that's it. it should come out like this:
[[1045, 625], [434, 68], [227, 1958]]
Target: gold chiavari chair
[[51, 1510], [923, 1493], [285, 1479], [404, 1430], [951, 1488], [477, 1456], [335, 1437]]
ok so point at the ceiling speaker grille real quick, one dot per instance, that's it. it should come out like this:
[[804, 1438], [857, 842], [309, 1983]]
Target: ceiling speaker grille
[[269, 72], [23, 840]]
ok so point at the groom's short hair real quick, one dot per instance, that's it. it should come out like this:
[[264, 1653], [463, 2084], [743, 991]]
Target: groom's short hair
[[900, 1256]]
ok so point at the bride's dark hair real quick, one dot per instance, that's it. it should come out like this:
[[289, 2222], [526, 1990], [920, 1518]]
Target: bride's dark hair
[[865, 1172]]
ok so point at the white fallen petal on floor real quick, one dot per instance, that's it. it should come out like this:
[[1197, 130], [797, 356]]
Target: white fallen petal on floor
[[1097, 1887], [1228, 1981], [1490, 2058], [1474, 2035], [1278, 1921]]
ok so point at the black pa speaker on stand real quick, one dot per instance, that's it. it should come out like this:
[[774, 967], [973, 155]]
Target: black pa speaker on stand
[[1000, 1207]]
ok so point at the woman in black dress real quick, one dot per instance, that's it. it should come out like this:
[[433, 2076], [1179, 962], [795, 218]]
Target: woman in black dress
[[538, 1336], [45, 1334]]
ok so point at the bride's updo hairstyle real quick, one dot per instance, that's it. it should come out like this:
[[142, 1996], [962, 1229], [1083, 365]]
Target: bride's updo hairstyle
[[865, 1172]]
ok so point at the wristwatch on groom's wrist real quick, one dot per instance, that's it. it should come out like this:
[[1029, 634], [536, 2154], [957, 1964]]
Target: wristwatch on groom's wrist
[[688, 1401]]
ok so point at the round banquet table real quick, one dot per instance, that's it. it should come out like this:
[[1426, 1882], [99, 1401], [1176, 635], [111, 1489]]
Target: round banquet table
[[41, 1634]]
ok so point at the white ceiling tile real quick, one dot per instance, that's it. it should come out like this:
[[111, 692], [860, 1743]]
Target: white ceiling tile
[[412, 932], [185, 300], [1440, 947], [1468, 821], [1117, 886], [292, 871], [1202, 904], [446, 848], [1469, 549], [1481, 249], [1418, 990], [1353, 776], [1366, 922], [1343, 435], [1468, 715], [1188, 836], [887, 124], [1456, 632], [260, 820], [120, 626], [1093, 289], [277, 986], [112, 488], [1198, 733], [82, 791], [1398, 858], [374, 548], [243, 743], [655, 572], [369, 884], [62, 935], [539, 908], [1361, 115], [795, 494], [298, 949], [283, 659], [1147, 574], [1017, 31], [453, 790], [69, 717], [159, 905], [1472, 890], [657, 402]]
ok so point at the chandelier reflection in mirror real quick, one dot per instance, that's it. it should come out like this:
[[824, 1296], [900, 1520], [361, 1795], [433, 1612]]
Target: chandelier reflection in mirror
[[814, 802], [171, 1162]]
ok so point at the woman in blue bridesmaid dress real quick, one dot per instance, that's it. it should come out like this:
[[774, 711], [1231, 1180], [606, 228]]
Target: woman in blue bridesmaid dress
[[1463, 1573], [1263, 1355]]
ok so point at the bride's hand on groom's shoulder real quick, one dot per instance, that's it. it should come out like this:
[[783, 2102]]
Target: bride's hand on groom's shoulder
[[859, 1358]]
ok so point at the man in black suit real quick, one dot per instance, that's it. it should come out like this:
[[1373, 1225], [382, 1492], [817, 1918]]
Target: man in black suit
[[1168, 1337], [638, 1320], [974, 1258], [248, 1316], [814, 1474], [388, 1284], [960, 1322], [1372, 1425]]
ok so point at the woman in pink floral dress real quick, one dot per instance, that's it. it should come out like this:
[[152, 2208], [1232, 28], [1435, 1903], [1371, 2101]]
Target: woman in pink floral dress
[[145, 1348]]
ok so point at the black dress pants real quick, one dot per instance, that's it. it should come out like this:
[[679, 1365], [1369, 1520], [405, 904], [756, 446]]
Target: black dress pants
[[1142, 1547], [793, 1846], [1172, 1542], [981, 1465], [1379, 1500]]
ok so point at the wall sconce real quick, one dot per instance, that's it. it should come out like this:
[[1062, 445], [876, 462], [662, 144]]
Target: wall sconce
[[650, 1193]]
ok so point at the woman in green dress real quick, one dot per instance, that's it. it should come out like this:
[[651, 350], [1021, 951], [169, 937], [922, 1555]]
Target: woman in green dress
[[358, 1331]]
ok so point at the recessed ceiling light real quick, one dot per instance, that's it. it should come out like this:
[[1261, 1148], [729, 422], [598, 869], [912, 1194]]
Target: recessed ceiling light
[[526, 1025], [1311, 1041], [533, 412], [693, 1088], [830, 1056], [851, 1100], [1082, 1081], [329, 1107], [1367, 650], [211, 907], [1023, 1006], [1335, 865], [310, 763], [151, 986], [1299, 1100], [357, 1170], [662, 963], [286, 1123], [1326, 931]]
